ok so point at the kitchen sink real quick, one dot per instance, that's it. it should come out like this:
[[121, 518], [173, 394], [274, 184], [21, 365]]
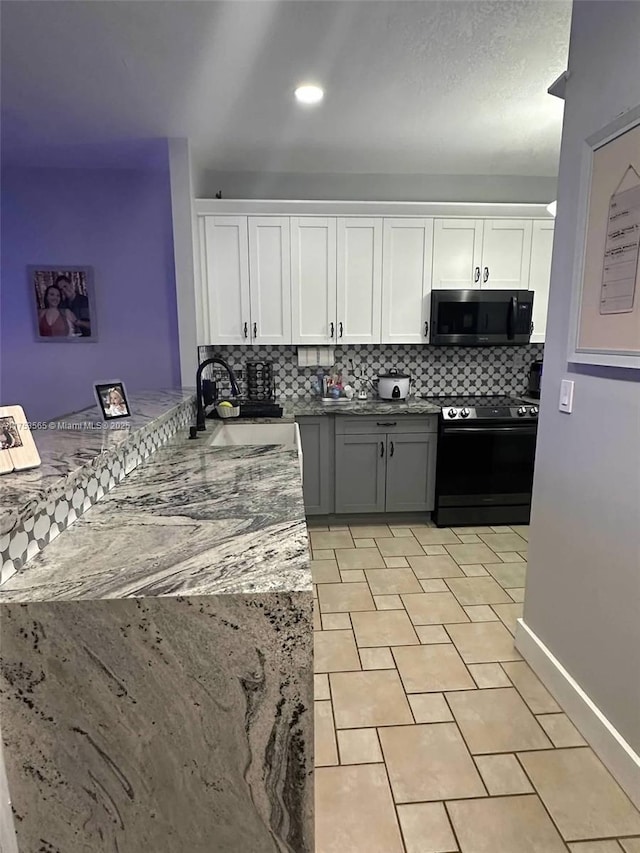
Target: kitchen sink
[[238, 434]]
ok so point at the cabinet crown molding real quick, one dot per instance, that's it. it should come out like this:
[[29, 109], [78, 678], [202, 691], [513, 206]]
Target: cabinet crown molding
[[281, 207]]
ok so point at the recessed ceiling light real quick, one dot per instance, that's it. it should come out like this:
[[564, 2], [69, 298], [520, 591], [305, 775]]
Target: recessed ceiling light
[[552, 207], [308, 94]]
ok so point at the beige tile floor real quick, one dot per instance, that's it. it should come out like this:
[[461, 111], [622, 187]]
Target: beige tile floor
[[432, 734]]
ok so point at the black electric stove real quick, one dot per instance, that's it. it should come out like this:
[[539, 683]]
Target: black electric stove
[[486, 451]]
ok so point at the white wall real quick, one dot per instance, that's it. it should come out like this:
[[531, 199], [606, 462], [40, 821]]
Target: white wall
[[363, 187], [184, 256], [583, 586]]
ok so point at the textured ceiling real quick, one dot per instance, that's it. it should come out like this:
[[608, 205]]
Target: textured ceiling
[[450, 87]]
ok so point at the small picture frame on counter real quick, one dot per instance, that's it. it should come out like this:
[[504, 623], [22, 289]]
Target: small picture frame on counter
[[63, 303], [18, 450], [112, 399]]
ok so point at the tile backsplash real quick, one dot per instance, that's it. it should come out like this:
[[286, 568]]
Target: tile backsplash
[[434, 370]]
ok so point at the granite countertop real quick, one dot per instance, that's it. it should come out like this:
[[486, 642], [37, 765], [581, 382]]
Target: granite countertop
[[314, 406], [65, 451], [192, 520]]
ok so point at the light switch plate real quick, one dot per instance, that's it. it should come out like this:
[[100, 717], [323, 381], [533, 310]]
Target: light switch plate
[[566, 396]]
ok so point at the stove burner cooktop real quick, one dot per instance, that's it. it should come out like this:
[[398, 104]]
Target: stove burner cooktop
[[488, 407]]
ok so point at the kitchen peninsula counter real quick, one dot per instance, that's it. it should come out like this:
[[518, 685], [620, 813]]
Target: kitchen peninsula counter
[[192, 520], [157, 664], [70, 443], [83, 458]]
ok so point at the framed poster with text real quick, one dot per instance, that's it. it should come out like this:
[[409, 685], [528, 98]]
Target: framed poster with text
[[606, 304]]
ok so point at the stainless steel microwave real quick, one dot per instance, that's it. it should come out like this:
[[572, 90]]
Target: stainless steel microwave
[[481, 317]]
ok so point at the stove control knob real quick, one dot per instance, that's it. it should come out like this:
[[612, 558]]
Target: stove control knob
[[452, 413], [533, 411], [522, 411], [465, 413]]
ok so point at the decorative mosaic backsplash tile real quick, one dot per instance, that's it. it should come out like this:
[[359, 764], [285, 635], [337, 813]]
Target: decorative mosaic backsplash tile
[[434, 370], [76, 493]]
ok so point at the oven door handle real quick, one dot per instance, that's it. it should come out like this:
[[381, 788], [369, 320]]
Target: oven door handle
[[529, 429]]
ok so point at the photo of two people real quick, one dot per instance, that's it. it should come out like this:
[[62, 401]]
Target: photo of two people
[[9, 434], [63, 303]]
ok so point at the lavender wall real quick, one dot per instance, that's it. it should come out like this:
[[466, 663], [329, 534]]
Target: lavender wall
[[119, 222], [583, 580]]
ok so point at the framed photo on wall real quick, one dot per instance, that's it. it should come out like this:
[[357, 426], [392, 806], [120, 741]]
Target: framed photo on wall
[[606, 296], [63, 303]]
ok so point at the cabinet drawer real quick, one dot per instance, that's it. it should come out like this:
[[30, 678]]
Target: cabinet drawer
[[385, 424]]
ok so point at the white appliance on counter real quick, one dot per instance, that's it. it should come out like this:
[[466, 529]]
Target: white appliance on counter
[[393, 385]]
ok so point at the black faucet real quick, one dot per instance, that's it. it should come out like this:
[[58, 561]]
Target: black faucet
[[200, 425]]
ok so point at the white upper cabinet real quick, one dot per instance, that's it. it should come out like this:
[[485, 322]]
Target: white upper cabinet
[[270, 279], [506, 253], [359, 280], [313, 280], [477, 253], [316, 280], [457, 253], [540, 275], [224, 303], [406, 280]]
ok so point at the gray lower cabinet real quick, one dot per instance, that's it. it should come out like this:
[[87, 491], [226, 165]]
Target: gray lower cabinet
[[316, 435], [360, 473], [385, 466], [367, 465], [411, 472]]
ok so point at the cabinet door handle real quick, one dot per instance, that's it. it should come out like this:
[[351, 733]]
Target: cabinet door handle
[[426, 328], [392, 449], [531, 329], [340, 328], [255, 330], [386, 423], [485, 277], [381, 449], [332, 329], [246, 329], [476, 275]]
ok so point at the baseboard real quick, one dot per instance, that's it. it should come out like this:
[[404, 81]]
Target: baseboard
[[612, 749], [367, 518]]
